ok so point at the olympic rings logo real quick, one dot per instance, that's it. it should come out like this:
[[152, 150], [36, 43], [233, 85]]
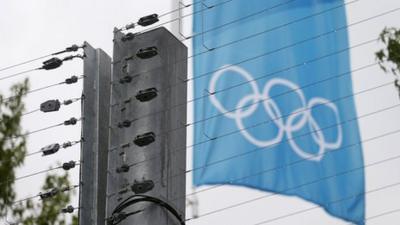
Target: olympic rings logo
[[295, 121]]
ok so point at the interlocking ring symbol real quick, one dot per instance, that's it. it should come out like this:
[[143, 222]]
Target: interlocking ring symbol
[[295, 121]]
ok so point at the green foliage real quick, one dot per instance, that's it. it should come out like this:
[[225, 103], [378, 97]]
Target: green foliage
[[46, 212], [12, 150], [12, 155], [389, 57]]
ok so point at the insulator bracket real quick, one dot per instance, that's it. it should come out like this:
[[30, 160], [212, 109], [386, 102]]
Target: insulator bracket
[[144, 139]]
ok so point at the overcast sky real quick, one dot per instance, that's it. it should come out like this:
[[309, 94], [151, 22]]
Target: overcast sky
[[33, 28]]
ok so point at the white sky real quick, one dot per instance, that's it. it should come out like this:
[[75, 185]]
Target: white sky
[[33, 28]]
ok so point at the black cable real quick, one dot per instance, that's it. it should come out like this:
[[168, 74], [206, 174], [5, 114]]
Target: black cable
[[72, 48], [134, 199]]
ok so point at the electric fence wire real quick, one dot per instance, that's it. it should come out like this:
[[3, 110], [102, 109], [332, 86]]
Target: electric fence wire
[[47, 65], [72, 48], [63, 103], [270, 52], [38, 195], [7, 99], [236, 131], [386, 213], [66, 210], [25, 62], [258, 78], [252, 35], [40, 130], [263, 148], [263, 76], [127, 27], [293, 138], [379, 189], [41, 151], [306, 184], [376, 163], [368, 65], [259, 173], [76, 163], [132, 25]]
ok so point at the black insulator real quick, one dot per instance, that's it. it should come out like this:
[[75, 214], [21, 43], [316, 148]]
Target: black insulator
[[49, 194], [123, 191], [145, 139], [50, 149], [146, 95], [50, 106], [128, 37], [68, 165], [68, 209], [128, 58], [142, 187], [71, 121], [148, 20], [52, 63], [116, 218], [71, 57], [124, 69], [125, 123], [67, 144], [71, 80], [123, 169], [73, 48], [68, 102], [125, 79], [126, 145], [146, 53]]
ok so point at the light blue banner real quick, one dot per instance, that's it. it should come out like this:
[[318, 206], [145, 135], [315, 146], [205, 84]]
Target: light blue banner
[[274, 108]]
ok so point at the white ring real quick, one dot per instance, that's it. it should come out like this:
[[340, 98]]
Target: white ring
[[271, 108], [249, 137], [248, 78]]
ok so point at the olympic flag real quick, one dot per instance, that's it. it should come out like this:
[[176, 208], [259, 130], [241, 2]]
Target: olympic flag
[[274, 107]]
